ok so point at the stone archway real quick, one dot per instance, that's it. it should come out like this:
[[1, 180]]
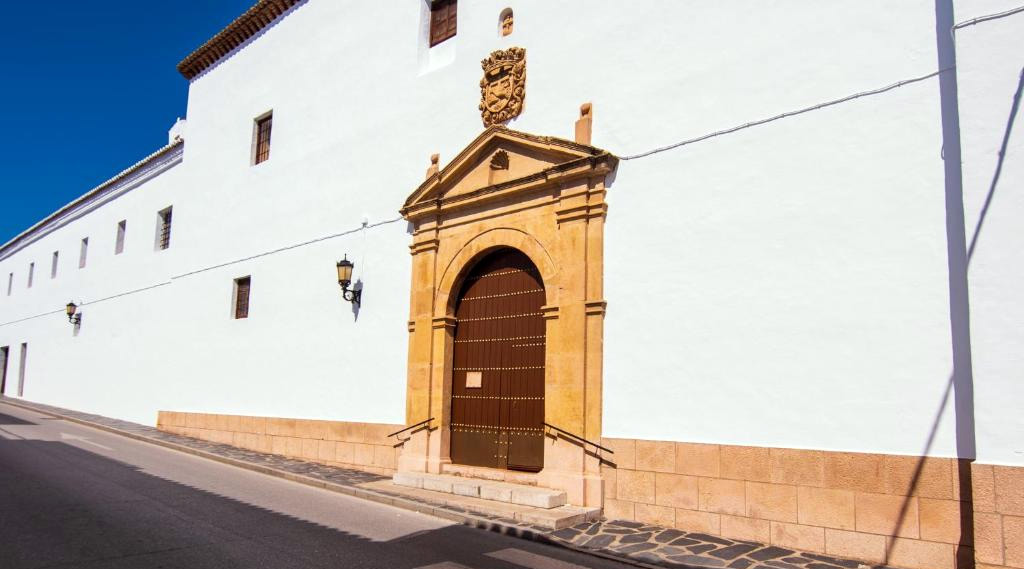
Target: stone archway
[[544, 197]]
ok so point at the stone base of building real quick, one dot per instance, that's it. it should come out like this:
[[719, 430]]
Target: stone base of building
[[363, 446], [998, 521], [905, 511]]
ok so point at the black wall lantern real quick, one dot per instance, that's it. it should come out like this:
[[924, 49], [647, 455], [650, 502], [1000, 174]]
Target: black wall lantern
[[73, 316], [345, 279]]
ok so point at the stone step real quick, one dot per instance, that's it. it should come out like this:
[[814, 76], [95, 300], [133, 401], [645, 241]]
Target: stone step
[[551, 518], [519, 494]]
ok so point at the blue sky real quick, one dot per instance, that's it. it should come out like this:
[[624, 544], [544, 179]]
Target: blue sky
[[87, 89]]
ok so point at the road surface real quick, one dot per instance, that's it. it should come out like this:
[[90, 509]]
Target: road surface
[[76, 497]]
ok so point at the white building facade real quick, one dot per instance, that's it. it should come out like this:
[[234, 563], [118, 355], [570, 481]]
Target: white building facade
[[790, 315]]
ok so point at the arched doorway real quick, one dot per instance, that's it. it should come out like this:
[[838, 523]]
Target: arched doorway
[[497, 411]]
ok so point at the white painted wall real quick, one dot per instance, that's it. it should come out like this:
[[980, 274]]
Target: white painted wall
[[113, 364], [785, 285]]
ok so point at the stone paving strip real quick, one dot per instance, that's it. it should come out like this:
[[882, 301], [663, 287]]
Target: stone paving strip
[[632, 542]]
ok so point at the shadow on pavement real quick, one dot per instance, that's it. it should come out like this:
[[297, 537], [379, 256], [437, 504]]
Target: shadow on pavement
[[61, 505], [12, 420]]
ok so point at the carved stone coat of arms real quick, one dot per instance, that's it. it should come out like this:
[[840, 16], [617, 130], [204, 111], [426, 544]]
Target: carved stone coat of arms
[[503, 88]]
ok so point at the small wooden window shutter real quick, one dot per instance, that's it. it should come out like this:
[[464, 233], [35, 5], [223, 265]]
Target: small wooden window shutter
[[242, 297], [442, 20]]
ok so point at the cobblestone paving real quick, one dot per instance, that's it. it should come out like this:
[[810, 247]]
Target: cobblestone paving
[[635, 541], [676, 548]]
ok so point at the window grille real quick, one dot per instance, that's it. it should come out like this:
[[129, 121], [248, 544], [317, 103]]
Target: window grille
[[163, 234], [242, 287], [442, 20], [263, 139]]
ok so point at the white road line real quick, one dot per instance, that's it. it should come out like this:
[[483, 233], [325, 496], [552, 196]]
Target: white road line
[[66, 437], [532, 560], [444, 565]]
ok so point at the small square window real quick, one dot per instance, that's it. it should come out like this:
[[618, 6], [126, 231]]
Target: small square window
[[119, 244], [163, 229], [242, 287], [261, 138], [442, 20]]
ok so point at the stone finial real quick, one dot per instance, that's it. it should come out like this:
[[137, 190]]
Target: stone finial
[[585, 124], [434, 159]]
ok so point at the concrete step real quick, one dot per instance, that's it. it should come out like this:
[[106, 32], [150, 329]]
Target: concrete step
[[518, 494], [551, 518]]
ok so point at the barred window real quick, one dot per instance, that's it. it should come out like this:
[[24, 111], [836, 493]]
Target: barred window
[[242, 286], [442, 20], [163, 229], [262, 134]]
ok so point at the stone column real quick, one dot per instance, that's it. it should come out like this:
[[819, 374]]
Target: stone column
[[417, 404]]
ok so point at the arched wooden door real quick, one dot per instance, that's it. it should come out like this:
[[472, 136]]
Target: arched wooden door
[[498, 365]]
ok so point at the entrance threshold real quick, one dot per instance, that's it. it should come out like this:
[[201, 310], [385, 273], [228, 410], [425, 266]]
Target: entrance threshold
[[493, 474], [531, 504]]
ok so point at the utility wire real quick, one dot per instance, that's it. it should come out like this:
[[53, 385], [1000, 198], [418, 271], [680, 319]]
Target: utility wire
[[788, 114], [896, 85], [988, 17], [204, 269], [289, 247]]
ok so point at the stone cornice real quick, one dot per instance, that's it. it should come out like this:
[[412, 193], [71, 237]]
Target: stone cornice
[[432, 197], [571, 155]]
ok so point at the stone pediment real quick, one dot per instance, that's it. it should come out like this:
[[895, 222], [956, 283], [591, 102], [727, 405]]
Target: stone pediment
[[501, 160]]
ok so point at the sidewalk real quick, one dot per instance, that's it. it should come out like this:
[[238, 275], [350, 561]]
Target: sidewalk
[[633, 542]]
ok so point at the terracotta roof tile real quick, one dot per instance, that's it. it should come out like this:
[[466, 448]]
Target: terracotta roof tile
[[235, 34]]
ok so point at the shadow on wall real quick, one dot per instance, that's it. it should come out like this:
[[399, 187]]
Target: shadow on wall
[[357, 306], [999, 164], [167, 524], [960, 383]]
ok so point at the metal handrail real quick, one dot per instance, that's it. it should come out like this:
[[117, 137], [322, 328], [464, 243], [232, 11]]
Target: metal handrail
[[579, 438], [411, 427]]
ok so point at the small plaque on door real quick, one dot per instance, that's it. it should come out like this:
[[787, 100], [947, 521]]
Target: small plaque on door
[[474, 379]]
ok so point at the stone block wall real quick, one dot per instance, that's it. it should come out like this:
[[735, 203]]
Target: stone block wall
[[998, 515], [898, 510], [364, 446]]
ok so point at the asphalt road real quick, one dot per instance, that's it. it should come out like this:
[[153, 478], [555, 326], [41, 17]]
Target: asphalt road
[[71, 496]]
